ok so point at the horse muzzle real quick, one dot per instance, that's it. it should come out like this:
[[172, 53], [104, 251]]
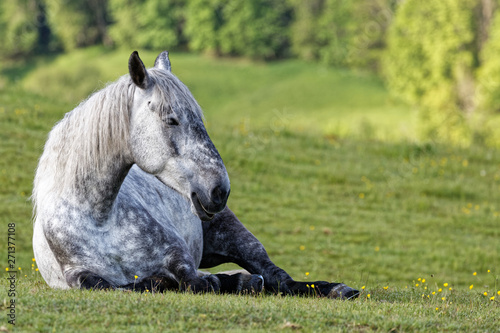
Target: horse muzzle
[[207, 207]]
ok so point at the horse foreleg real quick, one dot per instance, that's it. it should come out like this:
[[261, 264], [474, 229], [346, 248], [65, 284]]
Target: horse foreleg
[[225, 239]]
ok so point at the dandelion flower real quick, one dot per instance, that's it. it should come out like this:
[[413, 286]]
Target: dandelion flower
[[377, 248], [135, 277], [489, 271], [307, 273], [437, 309], [33, 259], [450, 288], [361, 195], [434, 293], [312, 285], [475, 273], [307, 285], [423, 280], [443, 298], [36, 270], [440, 290], [368, 296], [498, 292], [19, 268], [419, 279], [302, 248], [416, 285], [386, 287], [485, 293], [471, 286], [363, 288], [446, 284], [6, 269]]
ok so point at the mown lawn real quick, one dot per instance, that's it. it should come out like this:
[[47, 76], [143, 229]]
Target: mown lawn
[[357, 201]]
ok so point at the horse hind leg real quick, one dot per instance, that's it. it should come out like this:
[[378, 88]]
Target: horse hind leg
[[88, 280]]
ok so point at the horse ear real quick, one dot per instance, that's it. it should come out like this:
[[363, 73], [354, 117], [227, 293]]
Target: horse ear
[[138, 71], [162, 62]]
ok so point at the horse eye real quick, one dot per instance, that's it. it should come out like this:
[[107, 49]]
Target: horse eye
[[172, 121]]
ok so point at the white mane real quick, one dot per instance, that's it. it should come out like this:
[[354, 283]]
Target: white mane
[[83, 138], [95, 131]]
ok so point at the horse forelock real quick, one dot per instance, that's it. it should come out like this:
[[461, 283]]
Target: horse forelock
[[169, 89]]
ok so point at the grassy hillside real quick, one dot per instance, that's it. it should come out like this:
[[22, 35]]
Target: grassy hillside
[[310, 178]]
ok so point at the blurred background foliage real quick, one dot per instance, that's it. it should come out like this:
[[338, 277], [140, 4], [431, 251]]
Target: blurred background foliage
[[439, 55]]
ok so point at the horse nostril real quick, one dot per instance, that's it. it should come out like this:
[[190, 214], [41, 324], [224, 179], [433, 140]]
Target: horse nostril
[[219, 195]]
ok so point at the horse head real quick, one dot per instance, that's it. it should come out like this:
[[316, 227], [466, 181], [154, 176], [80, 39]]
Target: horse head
[[168, 138]]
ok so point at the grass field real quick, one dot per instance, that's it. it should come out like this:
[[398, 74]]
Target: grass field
[[324, 171]]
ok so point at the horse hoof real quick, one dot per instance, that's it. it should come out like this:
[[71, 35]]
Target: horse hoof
[[343, 291], [252, 283]]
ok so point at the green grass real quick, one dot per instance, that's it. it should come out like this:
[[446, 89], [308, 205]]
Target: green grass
[[343, 203]]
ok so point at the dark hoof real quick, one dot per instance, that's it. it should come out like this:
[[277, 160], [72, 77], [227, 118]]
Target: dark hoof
[[343, 291], [252, 283], [206, 283]]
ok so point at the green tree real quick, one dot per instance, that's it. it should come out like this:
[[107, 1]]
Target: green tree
[[346, 33], [430, 61], [79, 23], [151, 24], [305, 41], [20, 27], [204, 18], [254, 28]]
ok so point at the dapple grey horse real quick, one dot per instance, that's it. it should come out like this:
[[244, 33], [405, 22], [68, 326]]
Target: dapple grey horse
[[131, 193]]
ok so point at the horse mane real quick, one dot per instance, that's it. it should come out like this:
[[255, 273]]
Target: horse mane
[[95, 131]]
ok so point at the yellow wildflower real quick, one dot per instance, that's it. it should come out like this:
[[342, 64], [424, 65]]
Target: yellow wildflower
[[485, 293], [368, 296], [135, 277], [471, 286], [475, 273], [423, 280], [307, 273], [363, 288], [492, 298], [446, 284]]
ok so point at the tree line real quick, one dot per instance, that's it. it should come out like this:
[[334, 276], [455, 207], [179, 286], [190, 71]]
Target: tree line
[[440, 55]]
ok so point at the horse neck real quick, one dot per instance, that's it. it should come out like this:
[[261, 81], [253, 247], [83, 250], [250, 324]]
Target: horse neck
[[87, 158]]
